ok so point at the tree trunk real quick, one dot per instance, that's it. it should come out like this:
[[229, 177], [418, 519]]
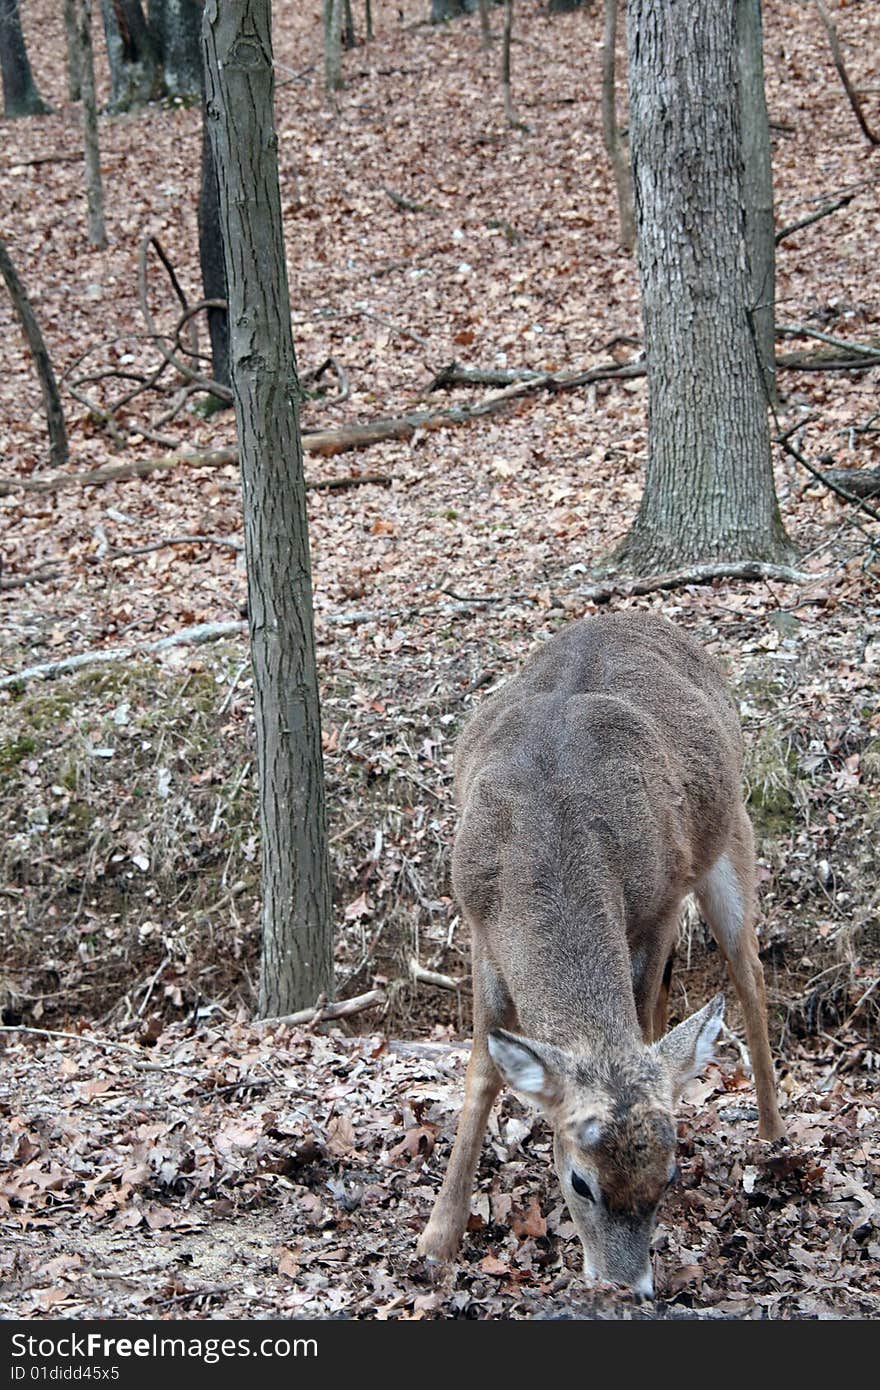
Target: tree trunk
[[211, 259], [506, 38], [94, 186], [611, 131], [176, 27], [485, 24], [131, 54], [709, 492], [758, 188], [20, 95], [349, 38], [333, 45], [297, 961], [71, 34], [42, 361]]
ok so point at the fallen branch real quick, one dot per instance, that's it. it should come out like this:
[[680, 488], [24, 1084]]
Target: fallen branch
[[48, 573], [824, 211], [824, 478], [195, 636], [143, 468], [106, 1043], [325, 1013], [799, 330], [844, 76], [422, 976], [859, 482]]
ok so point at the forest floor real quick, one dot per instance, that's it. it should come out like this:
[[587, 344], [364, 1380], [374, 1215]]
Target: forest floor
[[216, 1168]]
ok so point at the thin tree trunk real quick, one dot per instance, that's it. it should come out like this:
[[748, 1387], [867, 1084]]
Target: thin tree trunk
[[176, 29], [94, 186], [709, 492], [333, 45], [485, 24], [20, 95], [297, 960], [368, 19], [74, 90], [42, 361], [505, 62], [611, 132], [349, 37], [758, 189]]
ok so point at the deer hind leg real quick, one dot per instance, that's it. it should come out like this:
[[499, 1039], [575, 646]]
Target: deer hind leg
[[726, 898], [492, 1009]]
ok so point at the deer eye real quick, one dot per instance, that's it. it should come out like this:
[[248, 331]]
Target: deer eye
[[581, 1187]]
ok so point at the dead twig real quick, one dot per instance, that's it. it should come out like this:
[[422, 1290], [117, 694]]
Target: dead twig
[[423, 976], [106, 1043], [785, 442], [843, 74], [824, 211], [325, 1012]]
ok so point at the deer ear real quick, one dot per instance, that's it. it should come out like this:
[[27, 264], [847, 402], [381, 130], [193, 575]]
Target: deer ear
[[690, 1046], [532, 1068]]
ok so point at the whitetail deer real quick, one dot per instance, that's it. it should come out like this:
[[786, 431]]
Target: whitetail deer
[[596, 789]]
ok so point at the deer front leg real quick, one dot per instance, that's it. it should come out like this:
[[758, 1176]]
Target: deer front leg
[[492, 1009], [726, 896], [442, 1235]]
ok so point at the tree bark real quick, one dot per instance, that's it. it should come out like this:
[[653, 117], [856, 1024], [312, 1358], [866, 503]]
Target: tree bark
[[94, 186], [211, 259], [297, 959], [709, 492], [611, 131], [42, 361], [176, 27], [71, 34], [505, 62], [758, 188], [333, 45], [20, 95], [131, 54]]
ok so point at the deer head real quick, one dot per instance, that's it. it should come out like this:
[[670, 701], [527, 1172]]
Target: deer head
[[614, 1132]]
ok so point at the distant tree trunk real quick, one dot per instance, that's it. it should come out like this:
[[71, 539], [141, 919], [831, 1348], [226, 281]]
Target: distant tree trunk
[[485, 24], [211, 258], [42, 361], [72, 37], [349, 38], [611, 132], [176, 28], [131, 53], [709, 492], [758, 189], [332, 45], [505, 62], [441, 10], [20, 95], [94, 186], [564, 6], [297, 962], [368, 19]]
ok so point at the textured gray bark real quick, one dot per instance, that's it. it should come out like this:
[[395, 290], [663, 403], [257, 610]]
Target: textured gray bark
[[94, 186], [20, 95], [297, 962], [332, 44], [709, 492], [176, 27], [72, 38], [758, 187], [131, 54], [42, 360], [611, 131]]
